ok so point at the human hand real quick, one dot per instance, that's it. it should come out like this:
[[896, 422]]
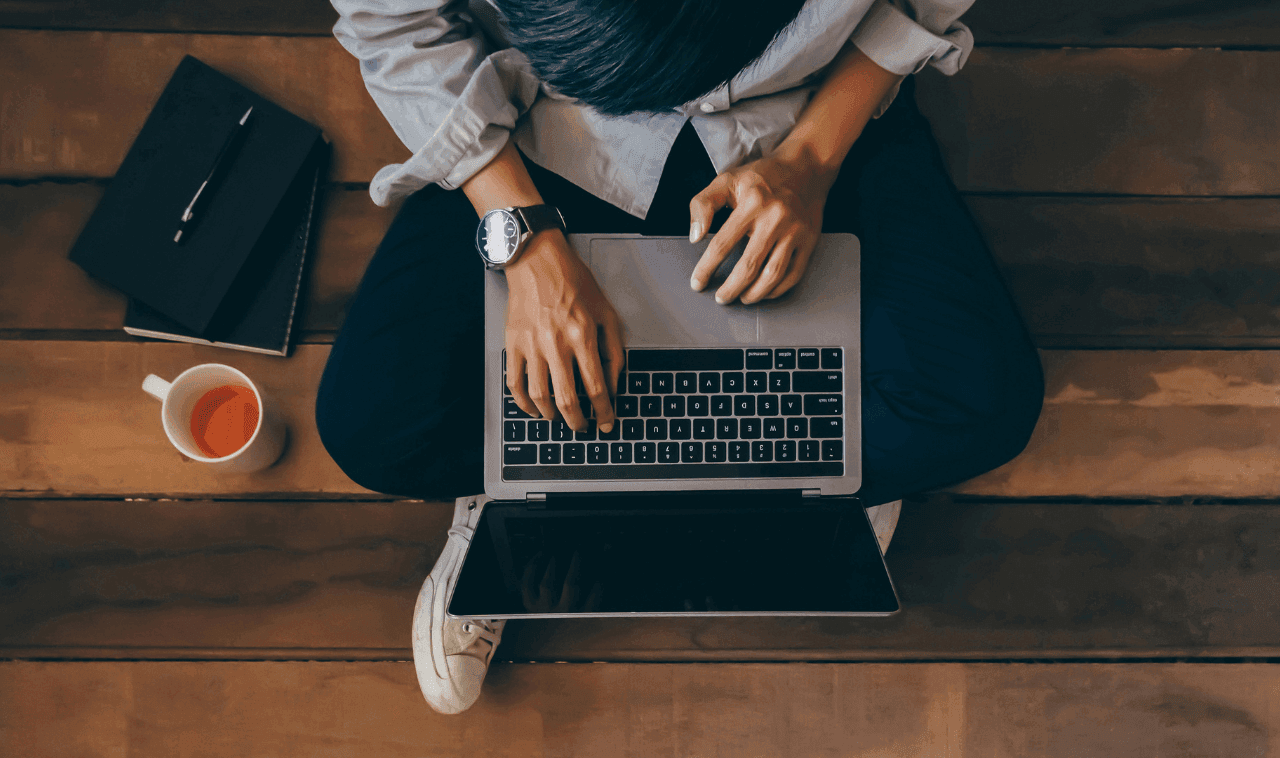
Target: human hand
[[777, 202], [554, 311], [539, 593]]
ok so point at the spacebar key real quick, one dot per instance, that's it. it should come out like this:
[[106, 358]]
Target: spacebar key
[[519, 455], [695, 359]]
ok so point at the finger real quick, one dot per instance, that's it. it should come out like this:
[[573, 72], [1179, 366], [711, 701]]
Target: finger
[[593, 381], [564, 390], [569, 591], [526, 584], [614, 350], [704, 205], [734, 229], [775, 268], [516, 381], [539, 391], [762, 241], [799, 263]]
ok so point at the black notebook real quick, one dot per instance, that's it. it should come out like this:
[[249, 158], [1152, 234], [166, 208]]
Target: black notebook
[[235, 277]]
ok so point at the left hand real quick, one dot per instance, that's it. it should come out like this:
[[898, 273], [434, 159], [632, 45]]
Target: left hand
[[777, 202]]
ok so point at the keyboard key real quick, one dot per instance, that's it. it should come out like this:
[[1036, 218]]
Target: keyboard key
[[587, 435], [598, 452], [757, 381], [700, 359], [539, 431], [823, 405], [673, 406], [505, 389], [809, 450], [575, 452], [613, 434], [761, 452], [727, 429], [792, 405], [774, 428], [519, 455], [784, 450], [638, 383], [584, 405], [650, 405], [633, 429], [709, 382], [817, 381], [807, 357], [549, 454], [663, 384], [681, 428], [826, 426], [646, 452], [620, 452], [686, 383], [696, 406], [832, 357], [622, 382], [716, 452], [655, 429], [784, 359], [760, 359], [832, 450], [797, 428], [511, 410], [744, 405], [721, 405], [779, 381], [767, 405], [668, 452], [732, 382], [704, 429], [691, 452], [560, 431], [739, 452], [627, 406], [750, 429], [513, 431]]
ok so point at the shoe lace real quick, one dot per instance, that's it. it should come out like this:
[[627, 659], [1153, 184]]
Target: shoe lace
[[484, 631]]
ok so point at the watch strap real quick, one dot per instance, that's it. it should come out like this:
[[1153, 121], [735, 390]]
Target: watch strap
[[540, 217]]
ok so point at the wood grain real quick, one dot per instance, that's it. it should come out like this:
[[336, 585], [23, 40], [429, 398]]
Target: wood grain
[[336, 709], [323, 580], [74, 420], [1086, 272], [1015, 120]]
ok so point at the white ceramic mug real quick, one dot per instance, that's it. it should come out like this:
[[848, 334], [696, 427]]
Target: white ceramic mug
[[178, 399]]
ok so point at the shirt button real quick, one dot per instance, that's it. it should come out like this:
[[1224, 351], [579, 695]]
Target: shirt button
[[706, 107]]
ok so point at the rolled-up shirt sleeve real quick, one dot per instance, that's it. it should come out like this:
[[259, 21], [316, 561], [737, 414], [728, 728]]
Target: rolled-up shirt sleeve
[[450, 99], [903, 36]]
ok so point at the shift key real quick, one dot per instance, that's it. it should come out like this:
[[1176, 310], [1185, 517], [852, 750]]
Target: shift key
[[816, 381]]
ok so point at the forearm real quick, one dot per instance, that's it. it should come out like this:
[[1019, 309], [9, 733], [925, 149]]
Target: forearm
[[849, 95], [503, 182]]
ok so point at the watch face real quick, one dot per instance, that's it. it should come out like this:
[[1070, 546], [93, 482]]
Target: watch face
[[498, 235]]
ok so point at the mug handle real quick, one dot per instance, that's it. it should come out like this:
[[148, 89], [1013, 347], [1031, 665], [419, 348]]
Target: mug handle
[[156, 387]]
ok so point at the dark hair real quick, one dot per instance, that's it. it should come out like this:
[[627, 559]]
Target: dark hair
[[642, 56]]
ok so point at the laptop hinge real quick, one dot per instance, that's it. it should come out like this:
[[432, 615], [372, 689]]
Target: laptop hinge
[[540, 497], [810, 493]]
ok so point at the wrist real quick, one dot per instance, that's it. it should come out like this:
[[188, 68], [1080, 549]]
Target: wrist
[[546, 255]]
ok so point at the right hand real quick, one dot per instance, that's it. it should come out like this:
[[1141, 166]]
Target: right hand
[[556, 316]]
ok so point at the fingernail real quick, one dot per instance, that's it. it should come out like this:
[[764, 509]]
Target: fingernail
[[606, 428], [720, 300], [695, 231], [695, 284]]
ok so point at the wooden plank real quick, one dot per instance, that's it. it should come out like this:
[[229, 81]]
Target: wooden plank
[[1161, 23], [337, 709], [1079, 120], [1115, 424], [1086, 272], [1130, 121], [324, 580]]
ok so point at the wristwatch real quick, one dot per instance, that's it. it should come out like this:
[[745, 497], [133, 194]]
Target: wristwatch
[[504, 232]]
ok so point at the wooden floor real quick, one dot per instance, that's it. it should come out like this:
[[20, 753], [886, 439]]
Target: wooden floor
[[1111, 592]]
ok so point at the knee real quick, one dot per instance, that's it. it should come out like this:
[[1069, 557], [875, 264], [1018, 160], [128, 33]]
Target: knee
[[347, 442]]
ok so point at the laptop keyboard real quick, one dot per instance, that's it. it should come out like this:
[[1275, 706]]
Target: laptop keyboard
[[695, 413]]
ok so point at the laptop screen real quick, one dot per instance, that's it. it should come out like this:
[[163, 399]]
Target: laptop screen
[[674, 554]]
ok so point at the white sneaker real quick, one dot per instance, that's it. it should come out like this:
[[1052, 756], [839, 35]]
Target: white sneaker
[[884, 520], [452, 656]]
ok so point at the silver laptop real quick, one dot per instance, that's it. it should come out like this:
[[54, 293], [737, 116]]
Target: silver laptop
[[726, 481]]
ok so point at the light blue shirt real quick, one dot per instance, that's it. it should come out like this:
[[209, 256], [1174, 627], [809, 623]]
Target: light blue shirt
[[454, 90]]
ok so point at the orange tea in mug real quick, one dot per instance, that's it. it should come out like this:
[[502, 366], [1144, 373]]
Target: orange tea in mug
[[224, 420]]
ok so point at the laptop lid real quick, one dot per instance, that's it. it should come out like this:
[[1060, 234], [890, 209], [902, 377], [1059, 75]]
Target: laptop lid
[[647, 281], [754, 553]]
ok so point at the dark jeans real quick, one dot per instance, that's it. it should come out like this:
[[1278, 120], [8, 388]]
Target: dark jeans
[[951, 383]]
